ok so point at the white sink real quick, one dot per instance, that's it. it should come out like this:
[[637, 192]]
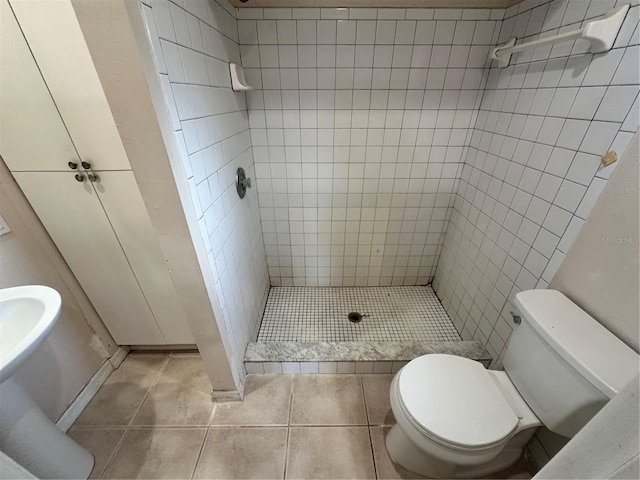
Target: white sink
[[27, 436], [27, 315]]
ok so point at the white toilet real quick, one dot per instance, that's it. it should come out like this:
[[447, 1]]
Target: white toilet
[[456, 419]]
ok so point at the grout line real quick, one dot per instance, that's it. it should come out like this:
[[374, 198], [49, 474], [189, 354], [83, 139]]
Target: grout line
[[195, 465], [373, 454], [347, 425], [288, 440], [213, 412], [286, 453], [364, 398], [127, 428], [260, 426], [291, 395], [153, 384], [141, 427], [366, 412], [113, 454]]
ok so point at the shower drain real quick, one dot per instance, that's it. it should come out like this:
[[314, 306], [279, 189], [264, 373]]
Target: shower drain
[[355, 317]]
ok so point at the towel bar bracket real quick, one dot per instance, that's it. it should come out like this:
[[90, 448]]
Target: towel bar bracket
[[601, 32]]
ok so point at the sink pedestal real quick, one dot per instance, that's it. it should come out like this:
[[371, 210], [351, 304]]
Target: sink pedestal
[[34, 442]]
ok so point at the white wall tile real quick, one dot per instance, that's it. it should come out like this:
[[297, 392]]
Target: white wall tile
[[541, 127], [164, 22], [359, 104], [272, 367], [254, 367], [179, 18], [382, 130], [616, 103], [213, 135]]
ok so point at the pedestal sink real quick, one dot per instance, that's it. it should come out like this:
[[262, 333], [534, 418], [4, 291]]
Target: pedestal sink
[[27, 315]]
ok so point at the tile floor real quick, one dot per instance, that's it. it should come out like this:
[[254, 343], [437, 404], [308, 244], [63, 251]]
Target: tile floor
[[391, 314], [154, 418]]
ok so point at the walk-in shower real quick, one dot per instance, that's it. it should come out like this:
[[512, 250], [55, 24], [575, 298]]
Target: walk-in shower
[[398, 172]]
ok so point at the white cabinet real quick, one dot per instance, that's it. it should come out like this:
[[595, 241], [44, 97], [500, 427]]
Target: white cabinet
[[57, 43], [33, 137], [120, 197], [75, 219], [101, 227]]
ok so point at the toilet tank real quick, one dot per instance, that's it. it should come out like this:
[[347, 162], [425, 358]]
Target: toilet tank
[[564, 363]]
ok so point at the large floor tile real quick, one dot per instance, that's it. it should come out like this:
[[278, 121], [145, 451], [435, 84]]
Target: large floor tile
[[101, 442], [376, 394], [328, 400], [243, 453], [266, 402], [121, 395], [157, 453], [329, 452], [181, 396], [385, 467]]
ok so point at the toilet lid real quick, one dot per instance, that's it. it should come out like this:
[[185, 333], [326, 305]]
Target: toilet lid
[[455, 400]]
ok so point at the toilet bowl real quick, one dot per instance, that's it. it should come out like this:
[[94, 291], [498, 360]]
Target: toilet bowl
[[456, 419]]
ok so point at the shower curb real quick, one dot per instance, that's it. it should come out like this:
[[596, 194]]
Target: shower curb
[[350, 357]]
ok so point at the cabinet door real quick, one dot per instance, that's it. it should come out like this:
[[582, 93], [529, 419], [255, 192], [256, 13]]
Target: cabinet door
[[32, 134], [119, 194], [60, 50], [75, 219]]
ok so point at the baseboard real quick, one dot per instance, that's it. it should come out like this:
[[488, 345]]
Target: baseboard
[[187, 348], [79, 403], [118, 357]]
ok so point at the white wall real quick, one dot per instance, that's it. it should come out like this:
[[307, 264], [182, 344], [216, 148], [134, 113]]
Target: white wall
[[532, 173], [360, 120], [193, 42], [74, 352], [600, 271]]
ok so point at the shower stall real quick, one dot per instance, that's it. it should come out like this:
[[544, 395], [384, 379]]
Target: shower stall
[[405, 186]]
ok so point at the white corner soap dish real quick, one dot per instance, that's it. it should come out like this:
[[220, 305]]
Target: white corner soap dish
[[238, 82]]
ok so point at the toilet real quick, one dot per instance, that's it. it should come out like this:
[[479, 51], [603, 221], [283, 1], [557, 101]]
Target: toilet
[[456, 419]]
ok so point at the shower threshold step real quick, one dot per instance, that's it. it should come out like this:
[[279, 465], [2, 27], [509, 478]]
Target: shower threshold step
[[350, 357]]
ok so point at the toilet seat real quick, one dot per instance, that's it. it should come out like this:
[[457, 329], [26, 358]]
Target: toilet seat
[[455, 402]]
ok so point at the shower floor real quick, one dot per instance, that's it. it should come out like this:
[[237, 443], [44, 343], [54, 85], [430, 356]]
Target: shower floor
[[390, 314]]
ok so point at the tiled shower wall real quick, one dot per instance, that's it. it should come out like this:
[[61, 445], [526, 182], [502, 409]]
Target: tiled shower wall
[[373, 114], [193, 42], [360, 121], [532, 172]]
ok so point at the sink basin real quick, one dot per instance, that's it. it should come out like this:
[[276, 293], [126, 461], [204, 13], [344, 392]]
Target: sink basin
[[27, 435], [27, 315]]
